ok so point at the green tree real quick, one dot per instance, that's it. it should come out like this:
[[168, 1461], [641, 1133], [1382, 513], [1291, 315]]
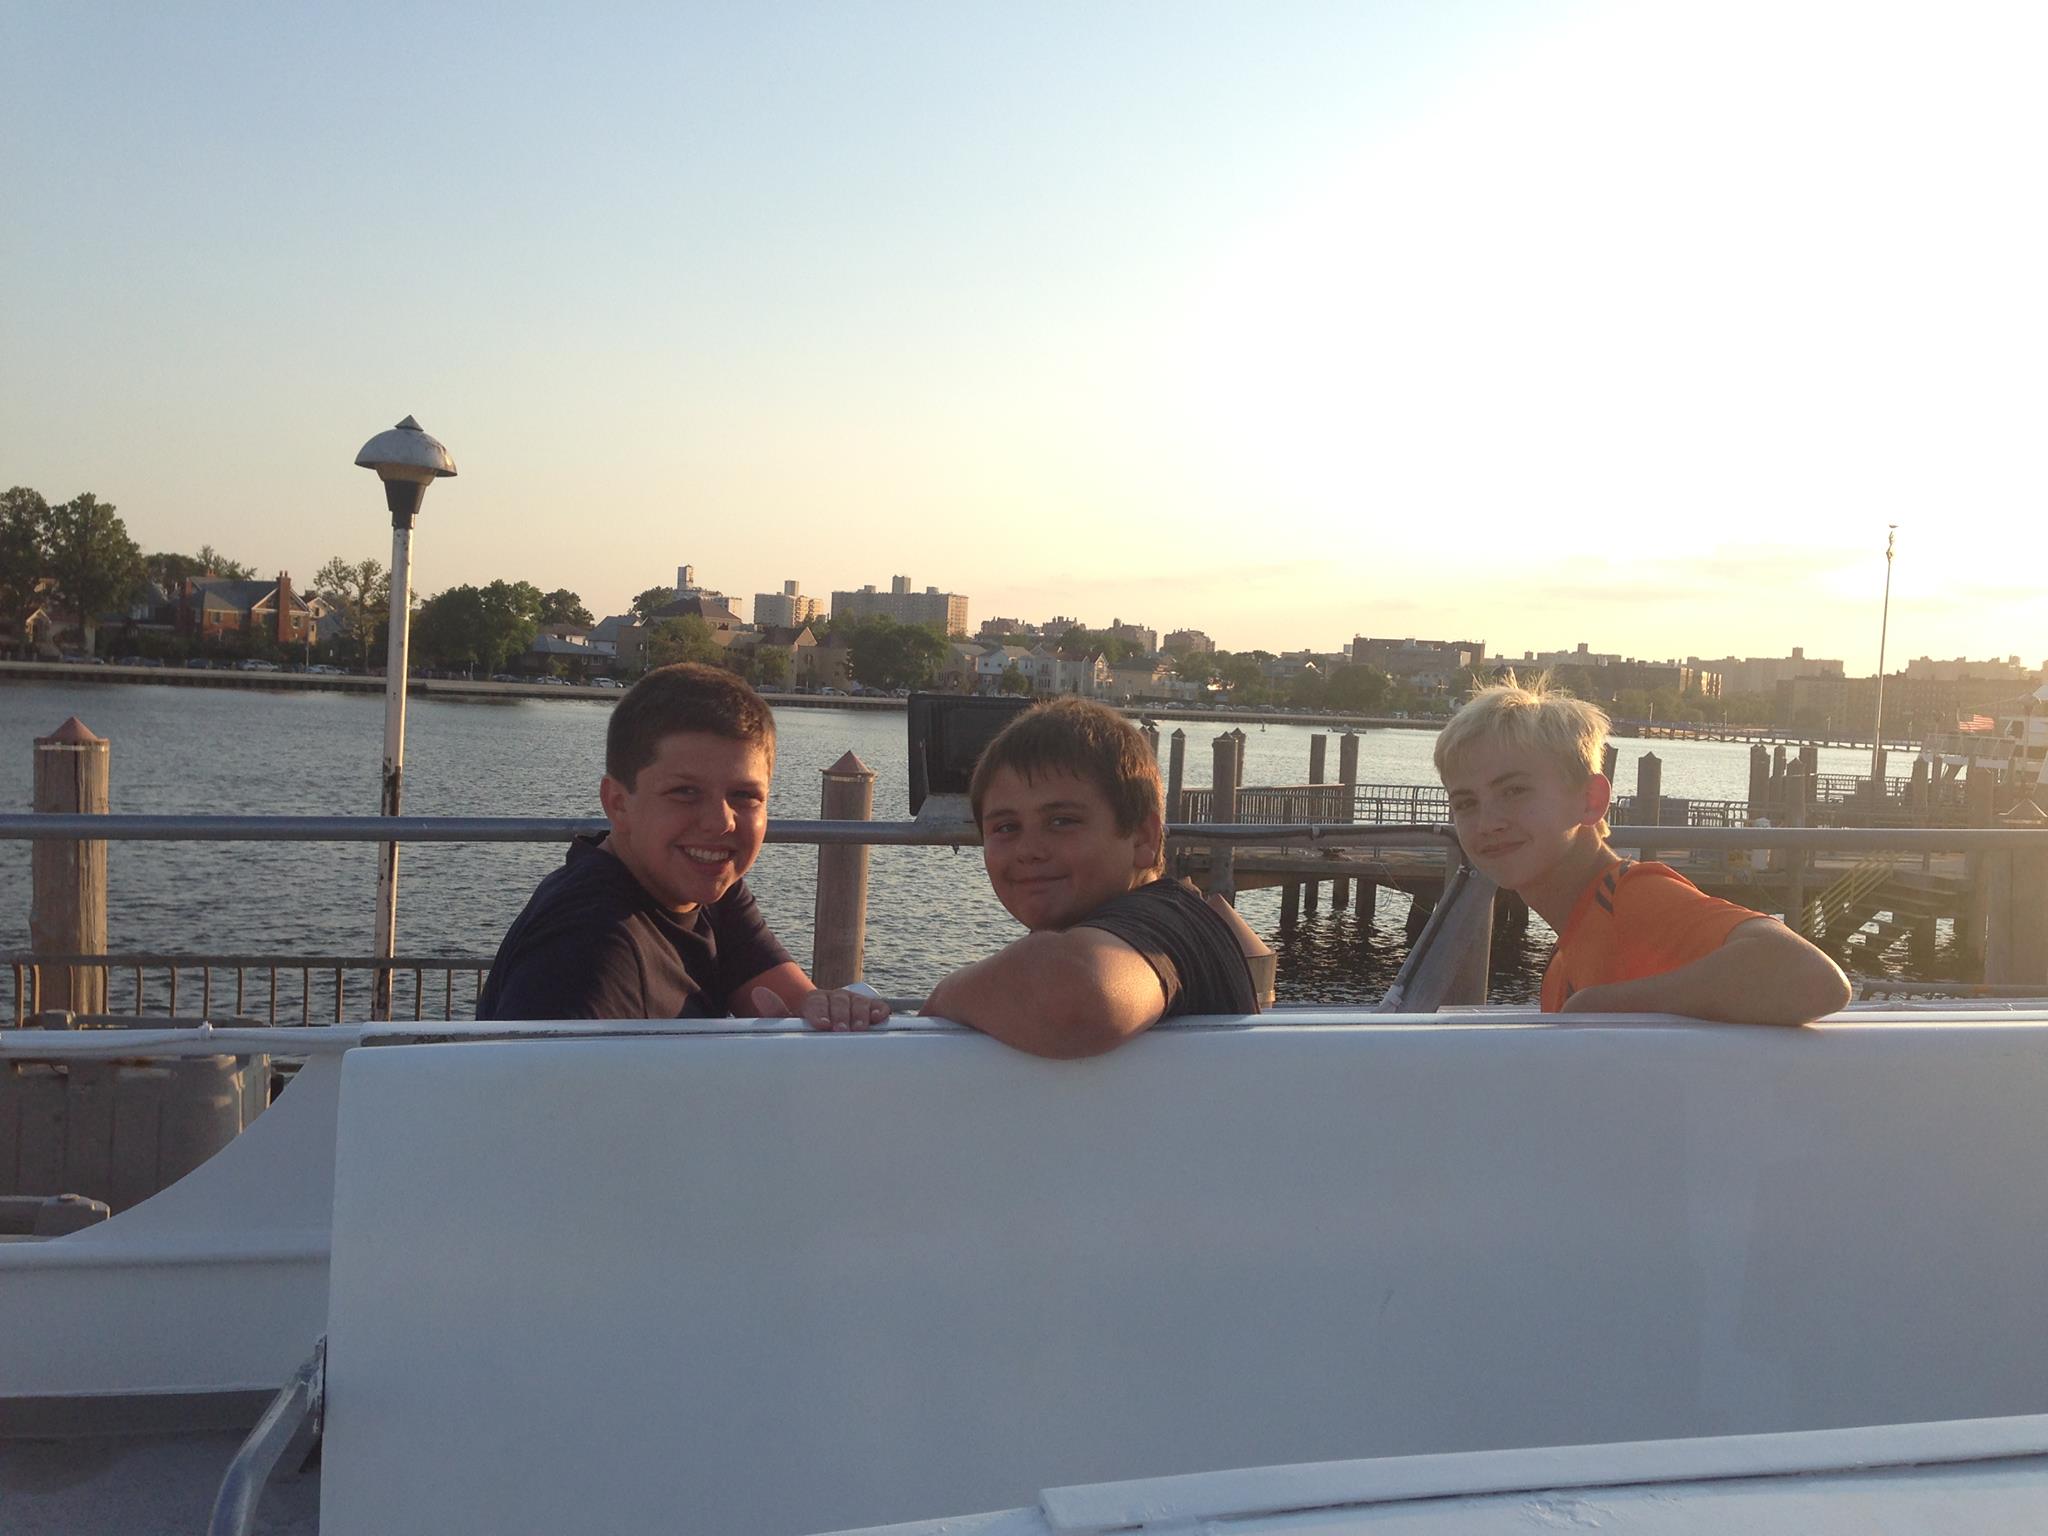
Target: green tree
[[448, 629], [562, 606], [169, 571], [511, 616], [1243, 675], [688, 638], [1114, 648], [1358, 690], [1195, 667], [888, 655], [93, 559], [771, 667], [360, 594], [24, 555], [1308, 688], [1013, 680], [212, 560], [653, 598]]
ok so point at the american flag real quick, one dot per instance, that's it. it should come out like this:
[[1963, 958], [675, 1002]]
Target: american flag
[[1976, 723]]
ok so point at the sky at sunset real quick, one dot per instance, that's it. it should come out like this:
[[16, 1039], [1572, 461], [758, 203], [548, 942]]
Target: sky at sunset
[[1537, 323]]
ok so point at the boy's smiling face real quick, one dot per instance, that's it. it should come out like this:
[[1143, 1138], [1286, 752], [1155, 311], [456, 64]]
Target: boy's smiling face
[[693, 820], [1522, 820], [1052, 849]]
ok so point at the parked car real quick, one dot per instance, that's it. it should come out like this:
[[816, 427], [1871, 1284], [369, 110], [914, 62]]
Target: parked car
[[251, 664], [81, 659], [606, 682], [503, 677], [198, 664]]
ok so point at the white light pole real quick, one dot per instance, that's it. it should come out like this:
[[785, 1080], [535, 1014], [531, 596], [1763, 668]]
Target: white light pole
[[407, 461], [1884, 625]]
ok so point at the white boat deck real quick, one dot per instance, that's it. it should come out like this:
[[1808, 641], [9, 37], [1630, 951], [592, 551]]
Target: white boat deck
[[752, 1280]]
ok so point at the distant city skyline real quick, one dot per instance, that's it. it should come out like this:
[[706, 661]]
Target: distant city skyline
[[1548, 320]]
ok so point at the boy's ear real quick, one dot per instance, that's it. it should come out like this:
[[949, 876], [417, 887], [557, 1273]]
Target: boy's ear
[[1599, 794], [611, 794], [1152, 839]]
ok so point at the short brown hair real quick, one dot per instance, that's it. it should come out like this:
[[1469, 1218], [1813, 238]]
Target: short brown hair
[[1090, 741], [685, 697]]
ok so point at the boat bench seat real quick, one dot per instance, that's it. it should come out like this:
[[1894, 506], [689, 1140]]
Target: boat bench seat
[[781, 1283]]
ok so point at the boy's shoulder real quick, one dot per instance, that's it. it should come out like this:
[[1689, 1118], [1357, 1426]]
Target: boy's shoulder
[[1648, 896]]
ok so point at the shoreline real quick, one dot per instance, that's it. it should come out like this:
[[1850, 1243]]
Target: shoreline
[[462, 688], [478, 690]]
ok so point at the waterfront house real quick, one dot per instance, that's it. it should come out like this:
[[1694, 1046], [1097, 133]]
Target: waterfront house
[[217, 609]]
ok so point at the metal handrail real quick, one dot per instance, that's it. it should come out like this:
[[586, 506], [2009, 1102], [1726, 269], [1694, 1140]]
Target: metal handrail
[[294, 1416], [521, 829], [527, 829]]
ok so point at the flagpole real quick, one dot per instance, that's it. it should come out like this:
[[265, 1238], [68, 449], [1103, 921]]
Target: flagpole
[[1884, 625]]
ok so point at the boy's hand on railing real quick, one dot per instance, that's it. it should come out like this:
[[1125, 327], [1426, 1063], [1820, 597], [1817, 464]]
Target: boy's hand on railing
[[828, 1008]]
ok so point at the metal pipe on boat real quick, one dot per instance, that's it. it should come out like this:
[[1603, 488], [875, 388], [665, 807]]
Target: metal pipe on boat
[[407, 460]]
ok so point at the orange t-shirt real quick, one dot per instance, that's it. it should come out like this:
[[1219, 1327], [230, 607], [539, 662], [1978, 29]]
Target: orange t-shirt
[[1636, 920]]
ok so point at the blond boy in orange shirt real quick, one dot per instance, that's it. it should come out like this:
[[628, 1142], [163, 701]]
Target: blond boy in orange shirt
[[1529, 802]]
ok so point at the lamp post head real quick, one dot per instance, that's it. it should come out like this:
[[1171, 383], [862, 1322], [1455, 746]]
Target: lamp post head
[[407, 460]]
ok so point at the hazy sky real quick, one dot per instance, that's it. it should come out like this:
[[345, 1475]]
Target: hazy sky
[[1531, 322]]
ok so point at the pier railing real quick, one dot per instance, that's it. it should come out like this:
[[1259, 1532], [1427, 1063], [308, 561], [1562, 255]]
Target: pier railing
[[2009, 864], [287, 989]]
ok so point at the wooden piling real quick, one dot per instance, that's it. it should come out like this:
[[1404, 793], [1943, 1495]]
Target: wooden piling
[[1649, 808], [1609, 759], [1318, 760], [839, 932], [1347, 775], [1649, 790], [1795, 815], [1290, 904], [1983, 869], [1151, 733], [68, 880], [2016, 930], [1176, 806], [1222, 810], [1759, 781]]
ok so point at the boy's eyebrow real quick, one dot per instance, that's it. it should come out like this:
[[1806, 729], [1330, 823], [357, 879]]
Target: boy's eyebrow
[[1048, 805], [677, 778], [1454, 790]]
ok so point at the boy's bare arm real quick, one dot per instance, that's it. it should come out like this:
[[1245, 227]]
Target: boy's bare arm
[[1079, 992], [1763, 974]]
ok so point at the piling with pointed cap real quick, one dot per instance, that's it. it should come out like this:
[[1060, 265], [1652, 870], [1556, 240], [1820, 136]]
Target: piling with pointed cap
[[68, 880], [1223, 780], [407, 460], [839, 930]]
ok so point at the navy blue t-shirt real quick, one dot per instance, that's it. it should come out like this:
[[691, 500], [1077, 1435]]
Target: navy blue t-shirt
[[593, 944]]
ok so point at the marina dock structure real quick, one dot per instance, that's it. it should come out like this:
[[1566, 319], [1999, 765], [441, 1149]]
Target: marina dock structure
[[1866, 868]]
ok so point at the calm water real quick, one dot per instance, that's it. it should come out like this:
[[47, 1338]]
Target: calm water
[[203, 750]]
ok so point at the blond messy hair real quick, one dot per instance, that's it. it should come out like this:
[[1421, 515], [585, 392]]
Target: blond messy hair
[[1531, 717]]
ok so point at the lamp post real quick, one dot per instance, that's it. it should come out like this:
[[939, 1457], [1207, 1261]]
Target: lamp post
[[1884, 625], [407, 461]]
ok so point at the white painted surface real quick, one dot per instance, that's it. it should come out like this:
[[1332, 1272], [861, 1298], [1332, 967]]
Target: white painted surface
[[2001, 1496], [789, 1284], [217, 1283]]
